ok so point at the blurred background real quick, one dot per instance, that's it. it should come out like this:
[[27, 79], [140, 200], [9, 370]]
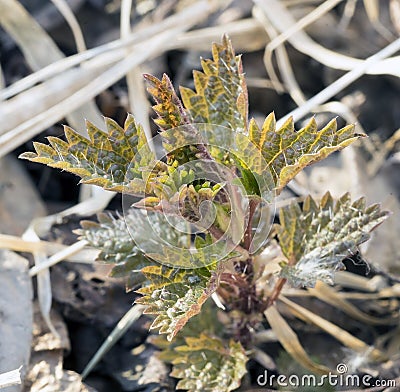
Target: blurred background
[[64, 61]]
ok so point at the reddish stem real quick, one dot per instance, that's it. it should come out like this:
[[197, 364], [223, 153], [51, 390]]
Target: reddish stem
[[248, 234], [279, 286], [276, 291], [217, 233]]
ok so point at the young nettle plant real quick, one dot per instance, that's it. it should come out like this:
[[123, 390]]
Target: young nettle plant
[[200, 224]]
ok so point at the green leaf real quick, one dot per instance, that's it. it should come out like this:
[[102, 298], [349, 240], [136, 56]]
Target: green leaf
[[181, 139], [206, 323], [171, 113], [316, 238], [176, 185], [112, 238], [111, 160], [220, 99], [175, 295], [287, 152], [221, 94], [209, 364]]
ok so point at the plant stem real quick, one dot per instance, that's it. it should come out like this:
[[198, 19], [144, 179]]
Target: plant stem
[[248, 234], [276, 291], [217, 233], [278, 286]]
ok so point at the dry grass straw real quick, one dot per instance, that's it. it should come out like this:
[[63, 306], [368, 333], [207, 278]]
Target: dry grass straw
[[39, 51], [373, 13], [44, 293], [10, 378], [291, 31], [289, 340], [332, 329], [282, 20], [18, 244], [123, 325], [330, 296], [136, 91], [69, 17]]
